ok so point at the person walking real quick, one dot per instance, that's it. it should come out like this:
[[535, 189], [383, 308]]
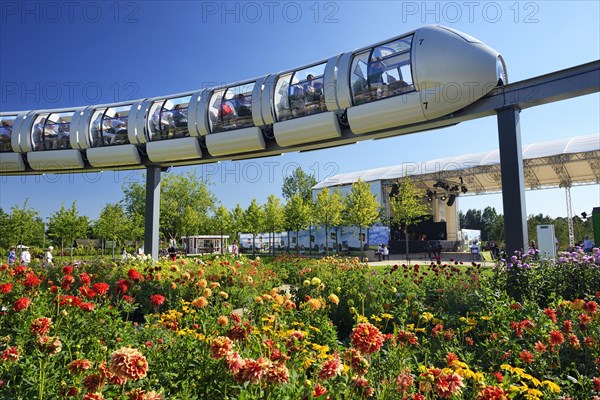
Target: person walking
[[48, 257]]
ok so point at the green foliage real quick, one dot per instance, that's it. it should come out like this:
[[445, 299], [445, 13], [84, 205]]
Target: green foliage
[[362, 208], [254, 220], [328, 211], [66, 225], [430, 314], [299, 182], [297, 214], [274, 217], [113, 224], [184, 206], [22, 225]]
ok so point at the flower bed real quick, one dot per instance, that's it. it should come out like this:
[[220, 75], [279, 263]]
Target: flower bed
[[222, 328]]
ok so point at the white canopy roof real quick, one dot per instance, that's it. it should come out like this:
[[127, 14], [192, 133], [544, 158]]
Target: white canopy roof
[[559, 163]]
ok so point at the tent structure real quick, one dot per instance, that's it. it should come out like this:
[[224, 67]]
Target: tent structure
[[560, 163]]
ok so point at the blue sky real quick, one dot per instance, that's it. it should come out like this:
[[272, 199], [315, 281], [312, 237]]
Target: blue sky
[[64, 54]]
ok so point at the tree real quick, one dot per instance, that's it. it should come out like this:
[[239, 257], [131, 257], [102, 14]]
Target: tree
[[238, 221], [299, 182], [328, 212], [184, 206], [185, 202], [274, 217], [221, 222], [4, 229], [254, 218], [297, 214], [22, 225], [134, 203], [67, 225], [408, 208], [113, 224], [362, 209]]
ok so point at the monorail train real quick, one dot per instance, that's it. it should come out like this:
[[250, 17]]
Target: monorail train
[[419, 76]]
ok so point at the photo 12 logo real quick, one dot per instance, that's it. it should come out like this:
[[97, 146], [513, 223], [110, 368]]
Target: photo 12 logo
[[450, 12], [269, 12], [53, 12], [69, 92]]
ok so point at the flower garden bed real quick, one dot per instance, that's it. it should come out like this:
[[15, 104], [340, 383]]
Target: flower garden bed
[[140, 330]]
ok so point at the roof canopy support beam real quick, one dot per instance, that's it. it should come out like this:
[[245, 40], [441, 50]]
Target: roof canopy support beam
[[513, 186]]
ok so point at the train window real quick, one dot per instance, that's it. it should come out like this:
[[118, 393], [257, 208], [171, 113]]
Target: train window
[[6, 128], [300, 93], [382, 71], [231, 108], [169, 118], [109, 126], [52, 131]]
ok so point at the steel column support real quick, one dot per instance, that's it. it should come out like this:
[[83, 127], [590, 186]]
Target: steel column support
[[513, 186], [570, 216], [152, 216]]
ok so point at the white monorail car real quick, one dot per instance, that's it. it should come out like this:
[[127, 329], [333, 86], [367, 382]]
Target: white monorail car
[[422, 75]]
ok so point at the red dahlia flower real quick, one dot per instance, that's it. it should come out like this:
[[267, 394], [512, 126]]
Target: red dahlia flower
[[22, 304], [41, 326], [157, 300], [367, 338], [100, 288]]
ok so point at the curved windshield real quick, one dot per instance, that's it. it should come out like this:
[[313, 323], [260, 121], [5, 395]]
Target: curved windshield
[[169, 118], [109, 126], [231, 108], [6, 128], [382, 71], [52, 131], [300, 93]]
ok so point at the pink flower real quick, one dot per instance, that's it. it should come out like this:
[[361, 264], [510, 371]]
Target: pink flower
[[128, 363], [331, 368], [10, 354], [78, 366], [278, 373], [49, 344], [405, 381], [253, 370]]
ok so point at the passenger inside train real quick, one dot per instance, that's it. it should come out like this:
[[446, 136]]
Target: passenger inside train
[[5, 135], [180, 121], [118, 128]]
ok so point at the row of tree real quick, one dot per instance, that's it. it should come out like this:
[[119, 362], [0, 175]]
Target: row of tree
[[188, 207], [491, 225]]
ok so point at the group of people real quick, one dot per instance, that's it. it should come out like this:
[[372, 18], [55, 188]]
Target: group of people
[[307, 96], [235, 112], [170, 122], [383, 253], [25, 256], [51, 135]]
